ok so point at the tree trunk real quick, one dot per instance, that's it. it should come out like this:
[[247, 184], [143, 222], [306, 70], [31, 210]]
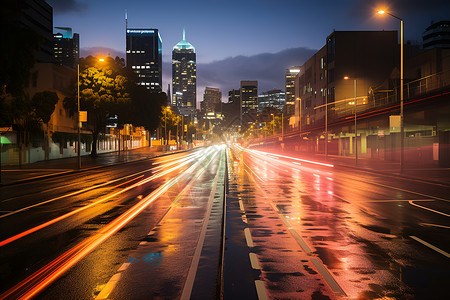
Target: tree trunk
[[94, 143]]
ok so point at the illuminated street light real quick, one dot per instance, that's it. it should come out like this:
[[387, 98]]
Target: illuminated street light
[[79, 121], [381, 12], [356, 128], [273, 127], [165, 124]]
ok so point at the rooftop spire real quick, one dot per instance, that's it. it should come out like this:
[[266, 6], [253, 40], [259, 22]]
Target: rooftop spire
[[184, 34]]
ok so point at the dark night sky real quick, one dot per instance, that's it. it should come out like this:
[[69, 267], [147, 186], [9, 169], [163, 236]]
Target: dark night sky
[[234, 37]]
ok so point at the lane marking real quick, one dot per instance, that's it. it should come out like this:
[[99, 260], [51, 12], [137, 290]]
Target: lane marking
[[124, 267], [241, 206], [254, 261], [261, 290], [435, 211], [403, 190], [252, 171], [434, 225], [430, 246], [244, 219], [112, 283], [109, 287], [328, 277], [300, 241], [248, 237], [189, 283], [396, 200]]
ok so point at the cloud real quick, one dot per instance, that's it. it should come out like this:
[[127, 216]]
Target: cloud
[[66, 6], [100, 51], [267, 68]]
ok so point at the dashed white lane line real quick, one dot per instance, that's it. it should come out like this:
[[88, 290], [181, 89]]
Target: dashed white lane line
[[248, 237], [244, 219], [261, 290], [109, 287], [254, 261], [124, 267], [435, 211], [241, 206], [434, 225], [430, 246], [328, 277]]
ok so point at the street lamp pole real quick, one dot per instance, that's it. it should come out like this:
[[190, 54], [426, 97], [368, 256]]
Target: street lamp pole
[[402, 133], [79, 120], [273, 127], [356, 128], [165, 126], [326, 123]]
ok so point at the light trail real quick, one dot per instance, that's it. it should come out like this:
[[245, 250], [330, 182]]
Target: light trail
[[71, 213], [38, 281], [293, 158], [72, 194]]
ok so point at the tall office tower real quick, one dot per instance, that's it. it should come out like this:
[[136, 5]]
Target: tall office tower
[[38, 16], [184, 77], [144, 56], [66, 47], [212, 103], [249, 96], [291, 73]]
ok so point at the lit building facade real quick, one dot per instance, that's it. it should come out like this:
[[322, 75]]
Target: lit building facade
[[66, 47], [273, 98], [184, 77], [38, 16], [249, 96], [291, 73], [321, 82], [144, 56], [437, 35], [212, 103]]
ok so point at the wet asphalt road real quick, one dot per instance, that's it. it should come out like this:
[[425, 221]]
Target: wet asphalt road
[[320, 232], [294, 230]]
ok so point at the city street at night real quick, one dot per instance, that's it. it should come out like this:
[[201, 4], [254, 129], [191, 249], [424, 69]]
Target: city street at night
[[224, 150], [242, 223]]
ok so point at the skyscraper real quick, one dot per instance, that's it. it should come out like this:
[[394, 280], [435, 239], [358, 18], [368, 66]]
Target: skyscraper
[[291, 73], [249, 96], [184, 77], [66, 47], [37, 15], [144, 56], [212, 103]]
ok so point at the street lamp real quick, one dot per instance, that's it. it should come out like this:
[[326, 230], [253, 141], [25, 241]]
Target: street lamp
[[356, 128], [273, 127], [165, 124], [381, 12], [79, 120]]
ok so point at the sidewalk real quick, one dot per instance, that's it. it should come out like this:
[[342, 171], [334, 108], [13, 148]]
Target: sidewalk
[[54, 167]]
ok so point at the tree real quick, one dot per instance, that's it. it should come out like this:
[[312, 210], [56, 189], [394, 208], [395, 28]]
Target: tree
[[104, 90], [170, 119]]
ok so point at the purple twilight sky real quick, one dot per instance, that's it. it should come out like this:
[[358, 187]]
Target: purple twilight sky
[[239, 39]]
